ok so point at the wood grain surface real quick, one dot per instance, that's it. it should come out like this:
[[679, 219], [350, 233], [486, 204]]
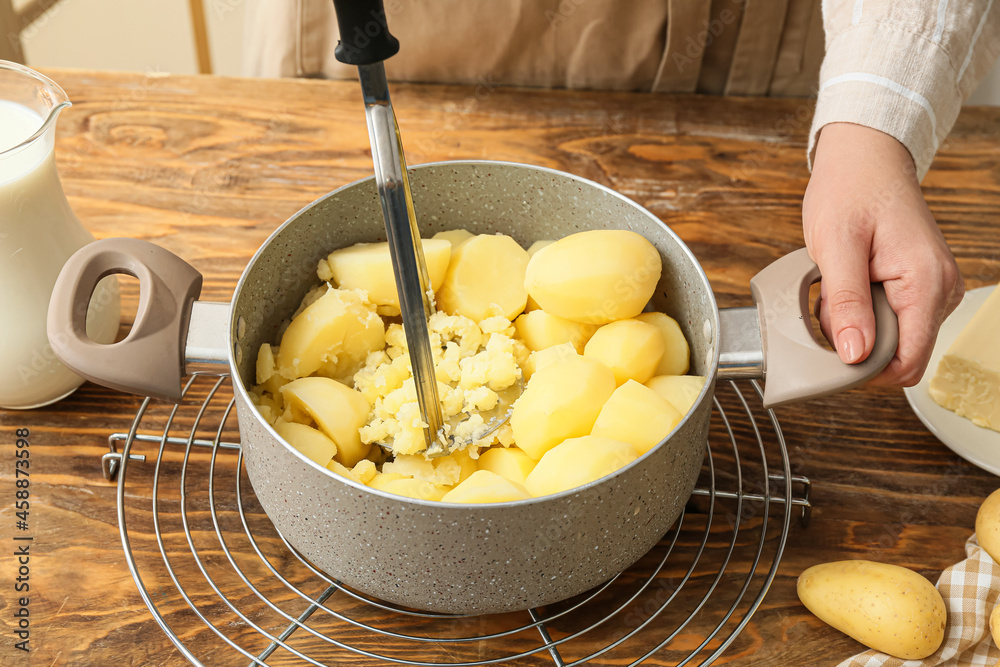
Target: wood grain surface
[[208, 167]]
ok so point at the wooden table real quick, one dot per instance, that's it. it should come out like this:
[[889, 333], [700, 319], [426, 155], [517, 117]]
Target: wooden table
[[208, 167]]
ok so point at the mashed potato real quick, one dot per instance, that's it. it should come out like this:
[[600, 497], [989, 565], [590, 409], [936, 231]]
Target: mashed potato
[[472, 361]]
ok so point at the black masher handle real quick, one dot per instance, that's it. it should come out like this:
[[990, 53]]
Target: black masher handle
[[364, 35]]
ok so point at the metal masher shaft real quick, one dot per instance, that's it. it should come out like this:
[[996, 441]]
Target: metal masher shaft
[[409, 267]]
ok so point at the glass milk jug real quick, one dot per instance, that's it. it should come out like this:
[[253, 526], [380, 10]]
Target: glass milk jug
[[38, 233]]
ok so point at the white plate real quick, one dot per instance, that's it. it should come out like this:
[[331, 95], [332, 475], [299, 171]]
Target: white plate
[[979, 446]]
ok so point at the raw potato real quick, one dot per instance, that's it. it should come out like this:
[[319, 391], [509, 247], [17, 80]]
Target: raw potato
[[596, 277], [539, 331], [485, 278], [630, 348], [320, 332], [338, 410], [560, 401], [576, 462], [988, 525], [680, 390], [314, 444], [368, 267], [637, 415], [486, 487], [509, 462], [995, 624], [885, 607], [676, 358], [456, 236]]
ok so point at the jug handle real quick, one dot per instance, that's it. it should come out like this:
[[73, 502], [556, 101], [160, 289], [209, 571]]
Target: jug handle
[[150, 359]]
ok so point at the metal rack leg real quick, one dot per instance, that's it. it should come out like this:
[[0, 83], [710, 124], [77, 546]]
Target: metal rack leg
[[292, 627]]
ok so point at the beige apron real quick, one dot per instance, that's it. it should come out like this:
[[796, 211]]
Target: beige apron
[[732, 47]]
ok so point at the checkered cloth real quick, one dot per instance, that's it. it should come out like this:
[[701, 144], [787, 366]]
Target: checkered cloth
[[971, 590]]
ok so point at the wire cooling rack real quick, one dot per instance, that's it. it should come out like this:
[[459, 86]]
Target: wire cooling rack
[[228, 590]]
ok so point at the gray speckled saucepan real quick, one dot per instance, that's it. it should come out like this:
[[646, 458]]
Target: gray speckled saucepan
[[430, 555]]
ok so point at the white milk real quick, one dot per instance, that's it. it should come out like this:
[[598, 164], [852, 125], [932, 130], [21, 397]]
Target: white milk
[[38, 233]]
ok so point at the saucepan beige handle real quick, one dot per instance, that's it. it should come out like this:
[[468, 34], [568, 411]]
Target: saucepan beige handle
[[151, 359], [775, 339]]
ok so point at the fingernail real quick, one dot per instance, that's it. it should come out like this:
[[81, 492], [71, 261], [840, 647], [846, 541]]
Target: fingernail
[[852, 345]]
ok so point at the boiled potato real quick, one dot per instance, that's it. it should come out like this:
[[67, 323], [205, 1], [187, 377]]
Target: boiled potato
[[269, 380], [416, 489], [467, 465], [382, 478], [539, 331], [509, 462], [455, 236], [630, 348], [596, 277], [578, 461], [538, 245], [532, 249], [338, 410], [265, 368], [361, 338], [368, 267], [269, 408], [543, 358], [637, 415], [885, 607], [486, 487], [319, 333], [676, 359], [343, 471], [680, 390], [560, 401], [314, 444], [988, 525], [364, 470], [407, 486], [485, 278], [443, 470]]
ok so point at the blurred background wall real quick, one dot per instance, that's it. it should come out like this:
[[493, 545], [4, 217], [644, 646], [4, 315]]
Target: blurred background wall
[[178, 36]]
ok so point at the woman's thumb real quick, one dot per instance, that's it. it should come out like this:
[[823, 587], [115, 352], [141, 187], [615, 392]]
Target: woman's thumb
[[849, 301]]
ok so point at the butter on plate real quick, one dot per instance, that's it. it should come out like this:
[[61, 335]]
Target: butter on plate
[[967, 380]]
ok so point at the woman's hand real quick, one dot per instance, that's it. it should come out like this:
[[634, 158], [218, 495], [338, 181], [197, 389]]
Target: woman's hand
[[865, 220]]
